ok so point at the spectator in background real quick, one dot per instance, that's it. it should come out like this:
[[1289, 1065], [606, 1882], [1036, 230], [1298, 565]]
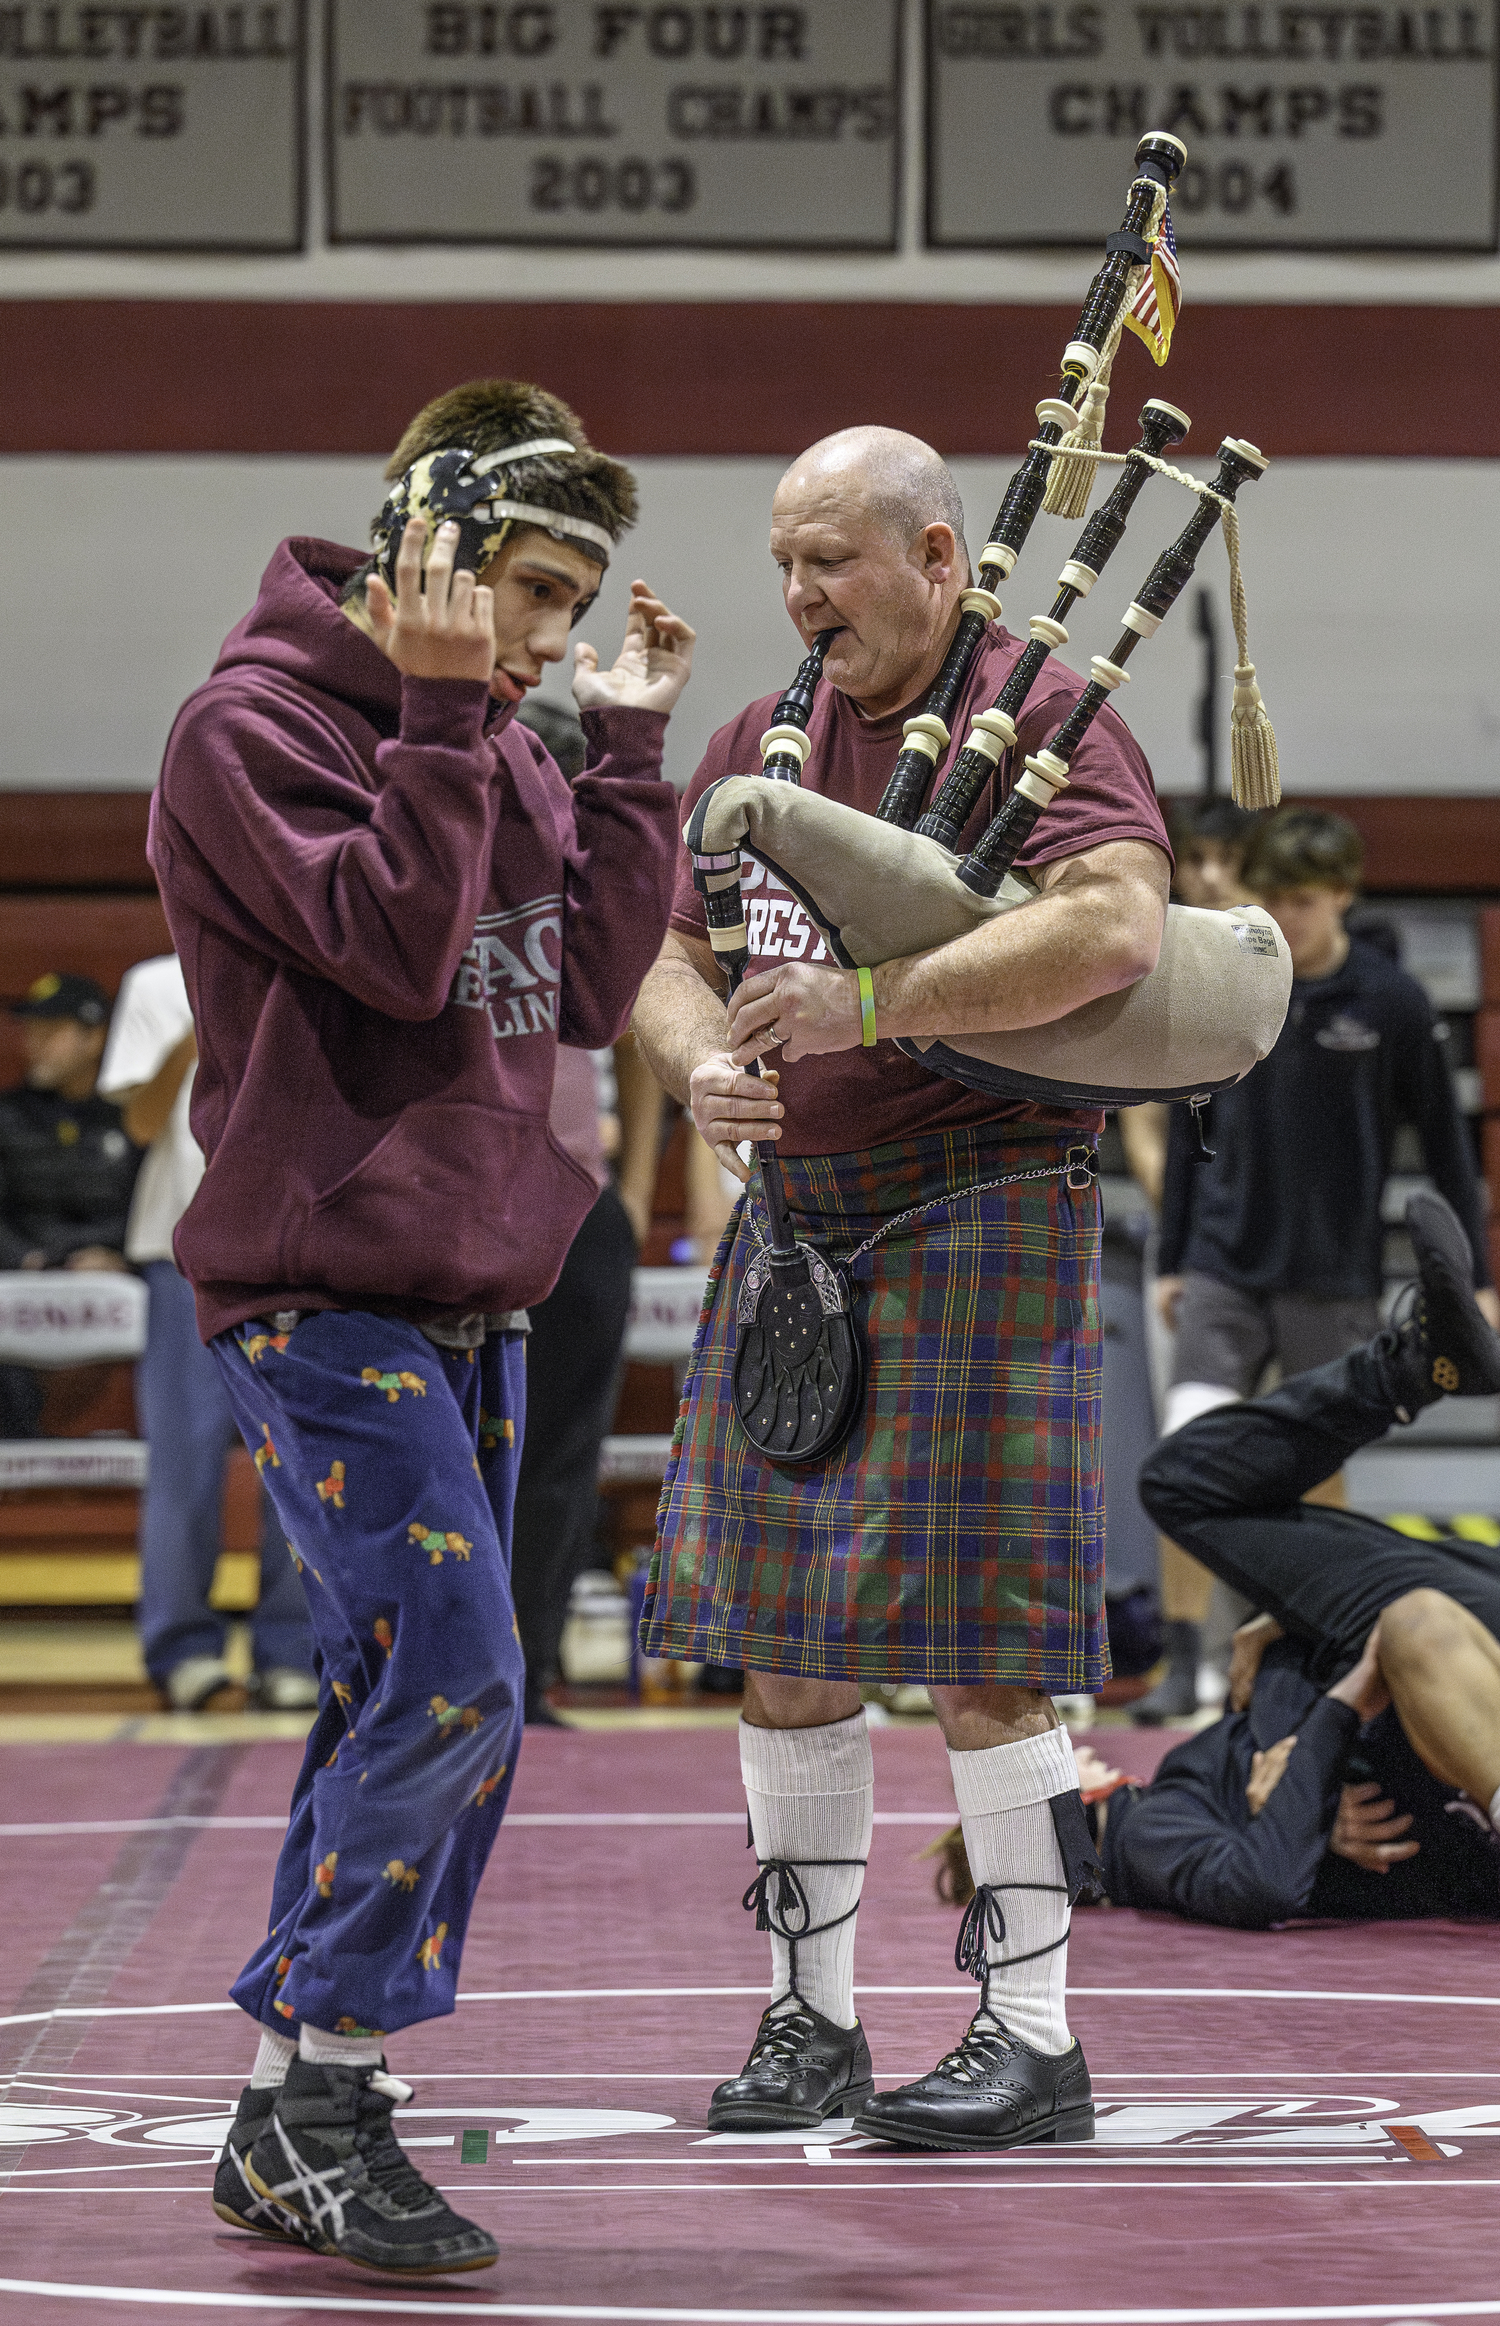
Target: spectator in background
[[1274, 1249], [184, 1413], [1209, 838], [577, 1333], [67, 1166]]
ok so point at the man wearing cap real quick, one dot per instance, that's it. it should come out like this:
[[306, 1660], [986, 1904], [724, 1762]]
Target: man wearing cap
[[67, 1167], [390, 907]]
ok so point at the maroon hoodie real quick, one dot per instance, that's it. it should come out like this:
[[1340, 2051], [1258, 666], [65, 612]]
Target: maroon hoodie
[[390, 906]]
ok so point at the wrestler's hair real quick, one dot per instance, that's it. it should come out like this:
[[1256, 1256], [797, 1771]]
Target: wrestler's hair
[[486, 415], [1303, 848]]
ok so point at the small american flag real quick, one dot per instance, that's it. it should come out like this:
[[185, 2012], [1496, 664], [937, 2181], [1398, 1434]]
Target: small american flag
[[1153, 311]]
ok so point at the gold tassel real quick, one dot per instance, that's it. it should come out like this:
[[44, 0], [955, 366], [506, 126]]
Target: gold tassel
[[1254, 771], [1070, 481], [1254, 768]]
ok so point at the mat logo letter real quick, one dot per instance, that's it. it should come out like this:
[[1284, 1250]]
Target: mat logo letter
[[513, 969]]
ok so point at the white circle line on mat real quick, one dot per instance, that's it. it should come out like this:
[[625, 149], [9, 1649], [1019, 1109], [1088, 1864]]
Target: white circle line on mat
[[656, 1994], [1268, 2314], [590, 1817]]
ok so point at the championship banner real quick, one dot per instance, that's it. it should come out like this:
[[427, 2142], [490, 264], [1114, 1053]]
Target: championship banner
[[576, 122], [153, 128], [70, 1316], [1345, 128]]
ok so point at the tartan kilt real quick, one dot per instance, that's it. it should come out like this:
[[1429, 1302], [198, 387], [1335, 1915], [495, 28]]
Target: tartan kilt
[[958, 1534]]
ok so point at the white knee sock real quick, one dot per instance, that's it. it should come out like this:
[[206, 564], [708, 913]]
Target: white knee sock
[[274, 2057], [812, 1794], [341, 2051], [1004, 1795]]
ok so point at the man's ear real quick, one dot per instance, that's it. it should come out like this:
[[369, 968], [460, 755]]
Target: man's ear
[[938, 551]]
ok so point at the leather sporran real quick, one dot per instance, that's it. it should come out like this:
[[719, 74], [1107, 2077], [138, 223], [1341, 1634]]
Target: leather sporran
[[799, 1367]]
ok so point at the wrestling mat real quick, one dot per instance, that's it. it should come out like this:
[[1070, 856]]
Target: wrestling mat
[[1299, 2126]]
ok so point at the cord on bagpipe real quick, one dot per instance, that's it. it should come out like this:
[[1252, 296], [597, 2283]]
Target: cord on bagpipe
[[1046, 772], [1064, 418]]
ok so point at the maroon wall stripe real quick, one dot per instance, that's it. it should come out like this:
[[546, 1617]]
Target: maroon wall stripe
[[165, 375]]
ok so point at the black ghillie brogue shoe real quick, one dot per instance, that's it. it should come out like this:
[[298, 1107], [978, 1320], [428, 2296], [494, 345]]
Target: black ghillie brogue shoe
[[801, 2070], [992, 2092], [234, 2200], [1443, 1347], [328, 2156]]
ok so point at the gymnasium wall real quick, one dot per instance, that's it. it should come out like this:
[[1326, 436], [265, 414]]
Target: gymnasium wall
[[1371, 587]]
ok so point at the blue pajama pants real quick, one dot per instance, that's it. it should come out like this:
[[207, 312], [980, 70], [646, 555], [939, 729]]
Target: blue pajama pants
[[392, 1468]]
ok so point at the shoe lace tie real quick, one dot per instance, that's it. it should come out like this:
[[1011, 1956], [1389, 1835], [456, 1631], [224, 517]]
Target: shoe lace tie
[[983, 1924], [782, 2039], [386, 2164], [781, 1906]]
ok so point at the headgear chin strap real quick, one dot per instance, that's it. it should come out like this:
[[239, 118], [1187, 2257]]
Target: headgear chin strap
[[461, 487]]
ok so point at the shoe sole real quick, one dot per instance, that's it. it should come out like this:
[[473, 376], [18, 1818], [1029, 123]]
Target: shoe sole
[[762, 2116], [318, 2243], [258, 2229], [1073, 2124]]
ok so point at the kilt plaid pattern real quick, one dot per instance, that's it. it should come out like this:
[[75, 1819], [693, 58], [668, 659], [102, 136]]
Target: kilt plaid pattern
[[958, 1535]]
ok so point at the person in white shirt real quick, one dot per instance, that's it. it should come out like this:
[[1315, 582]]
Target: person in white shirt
[[148, 1071]]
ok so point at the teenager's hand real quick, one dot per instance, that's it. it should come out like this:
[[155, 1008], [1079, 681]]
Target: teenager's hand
[[650, 670], [1247, 1647], [446, 631], [1487, 1300], [729, 1106], [1368, 1830]]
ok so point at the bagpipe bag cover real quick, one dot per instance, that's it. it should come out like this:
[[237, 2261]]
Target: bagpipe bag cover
[[1210, 1010]]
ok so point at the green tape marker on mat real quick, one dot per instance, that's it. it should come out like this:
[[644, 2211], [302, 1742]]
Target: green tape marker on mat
[[474, 2148]]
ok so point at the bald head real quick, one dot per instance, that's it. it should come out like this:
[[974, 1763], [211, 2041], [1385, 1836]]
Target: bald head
[[887, 475], [868, 531]]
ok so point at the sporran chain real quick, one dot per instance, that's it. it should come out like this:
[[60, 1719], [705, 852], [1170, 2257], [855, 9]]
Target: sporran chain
[[1079, 1175]]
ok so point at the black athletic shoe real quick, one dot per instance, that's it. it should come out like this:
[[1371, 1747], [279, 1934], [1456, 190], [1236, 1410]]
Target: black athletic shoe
[[329, 2156], [992, 2092], [801, 2069], [234, 2199], [1444, 1348]]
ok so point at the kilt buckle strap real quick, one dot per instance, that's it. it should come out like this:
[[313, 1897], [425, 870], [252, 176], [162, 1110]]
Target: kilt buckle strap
[[1080, 1165]]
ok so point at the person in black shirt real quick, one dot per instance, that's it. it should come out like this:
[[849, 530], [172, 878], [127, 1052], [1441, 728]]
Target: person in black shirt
[[67, 1167], [1357, 1773], [1274, 1248]]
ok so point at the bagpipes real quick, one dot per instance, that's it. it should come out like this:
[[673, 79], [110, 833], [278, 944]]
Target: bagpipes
[[886, 886]]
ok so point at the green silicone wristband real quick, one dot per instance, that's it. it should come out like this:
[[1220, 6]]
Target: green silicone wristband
[[867, 1008]]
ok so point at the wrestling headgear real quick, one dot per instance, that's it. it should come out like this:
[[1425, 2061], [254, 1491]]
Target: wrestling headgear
[[469, 489]]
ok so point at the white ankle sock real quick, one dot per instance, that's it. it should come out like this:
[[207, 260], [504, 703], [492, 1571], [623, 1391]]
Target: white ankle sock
[[341, 2051], [812, 1796], [1004, 1795], [274, 2057]]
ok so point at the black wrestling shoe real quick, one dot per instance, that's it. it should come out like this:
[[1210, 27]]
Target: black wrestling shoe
[[992, 2092], [801, 2069], [234, 2200], [1443, 1348], [329, 2157]]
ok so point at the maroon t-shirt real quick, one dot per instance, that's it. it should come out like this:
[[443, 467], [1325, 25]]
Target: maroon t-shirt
[[863, 1098]]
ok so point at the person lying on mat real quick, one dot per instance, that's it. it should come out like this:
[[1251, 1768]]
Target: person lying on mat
[[1356, 1771]]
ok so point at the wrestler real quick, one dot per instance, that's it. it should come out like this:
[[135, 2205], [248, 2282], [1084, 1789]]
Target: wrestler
[[956, 1538], [390, 907], [1356, 1771]]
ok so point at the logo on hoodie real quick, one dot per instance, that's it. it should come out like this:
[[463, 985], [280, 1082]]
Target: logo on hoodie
[[513, 969]]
